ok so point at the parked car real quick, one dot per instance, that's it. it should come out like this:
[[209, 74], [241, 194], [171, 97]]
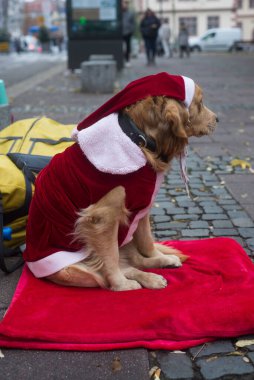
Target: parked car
[[216, 39]]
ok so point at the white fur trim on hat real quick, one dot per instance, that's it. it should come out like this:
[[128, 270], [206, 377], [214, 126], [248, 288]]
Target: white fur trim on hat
[[108, 148], [189, 90]]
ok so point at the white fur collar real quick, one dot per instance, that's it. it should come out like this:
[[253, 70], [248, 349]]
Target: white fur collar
[[108, 148]]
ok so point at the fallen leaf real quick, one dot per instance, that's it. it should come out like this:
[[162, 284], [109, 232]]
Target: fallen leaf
[[246, 360], [242, 163], [157, 373], [245, 195], [244, 342], [154, 373], [211, 359], [116, 364], [1, 355], [235, 353]]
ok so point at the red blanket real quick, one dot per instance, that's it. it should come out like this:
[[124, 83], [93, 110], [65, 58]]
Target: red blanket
[[211, 296]]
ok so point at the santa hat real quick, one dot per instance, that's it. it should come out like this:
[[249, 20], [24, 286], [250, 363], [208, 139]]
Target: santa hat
[[174, 86]]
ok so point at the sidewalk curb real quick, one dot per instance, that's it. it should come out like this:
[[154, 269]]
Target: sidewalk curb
[[26, 85]]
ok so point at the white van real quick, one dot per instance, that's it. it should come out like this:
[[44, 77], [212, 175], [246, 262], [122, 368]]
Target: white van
[[216, 39]]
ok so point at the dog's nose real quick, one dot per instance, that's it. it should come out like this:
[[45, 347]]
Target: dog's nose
[[217, 119]]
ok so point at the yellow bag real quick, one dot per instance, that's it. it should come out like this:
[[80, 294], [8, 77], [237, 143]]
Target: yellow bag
[[26, 146]]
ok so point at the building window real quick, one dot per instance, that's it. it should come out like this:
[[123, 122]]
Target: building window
[[190, 23], [251, 3], [239, 4], [213, 22]]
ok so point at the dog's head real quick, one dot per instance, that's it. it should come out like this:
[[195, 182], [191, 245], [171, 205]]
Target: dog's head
[[169, 123]]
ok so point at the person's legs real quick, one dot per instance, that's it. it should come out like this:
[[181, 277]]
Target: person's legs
[[188, 51], [165, 47], [147, 49], [153, 49], [127, 40], [181, 49]]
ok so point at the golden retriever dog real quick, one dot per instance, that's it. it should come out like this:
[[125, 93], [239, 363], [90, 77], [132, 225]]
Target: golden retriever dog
[[169, 124]]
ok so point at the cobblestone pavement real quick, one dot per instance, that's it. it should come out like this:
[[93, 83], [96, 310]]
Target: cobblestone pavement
[[221, 204]]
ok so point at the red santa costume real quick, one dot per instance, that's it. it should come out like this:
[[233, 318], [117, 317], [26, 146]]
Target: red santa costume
[[102, 158]]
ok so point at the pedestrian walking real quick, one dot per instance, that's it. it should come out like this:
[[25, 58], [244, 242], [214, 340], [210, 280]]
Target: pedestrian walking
[[164, 36], [183, 41], [17, 45], [128, 28], [149, 27]]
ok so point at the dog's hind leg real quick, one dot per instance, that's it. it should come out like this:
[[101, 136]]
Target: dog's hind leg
[[77, 275]]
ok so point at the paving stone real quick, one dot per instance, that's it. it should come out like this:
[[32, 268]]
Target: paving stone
[[186, 204], [165, 234], [175, 192], [250, 243], [243, 222], [209, 203], [225, 232], [237, 214], [182, 198], [203, 193], [220, 346], [186, 217], [222, 224], [214, 210], [232, 207], [212, 199], [174, 211], [199, 224], [177, 224], [194, 210], [196, 232], [175, 366], [222, 366], [59, 365], [157, 211], [246, 232], [227, 202], [161, 218], [214, 217], [167, 204], [162, 226]]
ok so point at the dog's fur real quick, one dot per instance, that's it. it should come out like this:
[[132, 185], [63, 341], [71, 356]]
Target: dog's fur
[[170, 124]]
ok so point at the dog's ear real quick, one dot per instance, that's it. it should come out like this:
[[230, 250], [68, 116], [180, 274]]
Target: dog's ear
[[176, 116]]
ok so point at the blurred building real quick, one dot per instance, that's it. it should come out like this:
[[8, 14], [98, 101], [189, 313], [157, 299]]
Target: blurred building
[[18, 16], [44, 12], [11, 16], [200, 15], [244, 17]]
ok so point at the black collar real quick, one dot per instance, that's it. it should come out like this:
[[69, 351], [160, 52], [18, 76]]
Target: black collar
[[135, 134]]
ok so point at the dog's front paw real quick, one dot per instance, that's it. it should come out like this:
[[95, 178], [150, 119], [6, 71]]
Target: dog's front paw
[[153, 281], [126, 285]]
